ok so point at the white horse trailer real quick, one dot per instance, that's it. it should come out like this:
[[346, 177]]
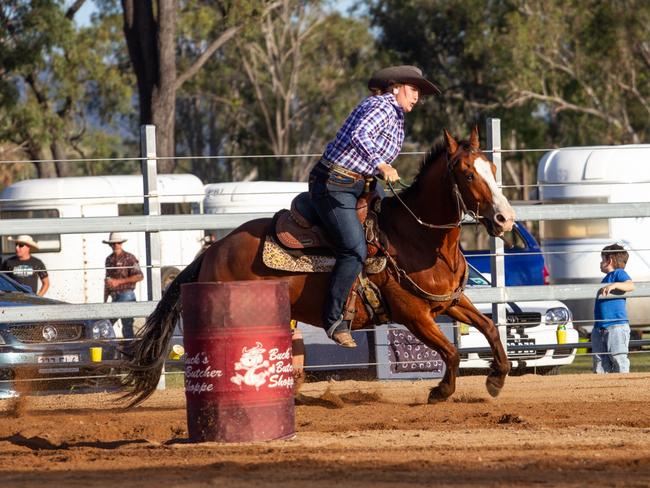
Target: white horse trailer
[[599, 174], [249, 197], [75, 262]]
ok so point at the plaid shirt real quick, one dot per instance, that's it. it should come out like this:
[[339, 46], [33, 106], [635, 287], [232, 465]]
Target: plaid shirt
[[127, 265], [372, 134]]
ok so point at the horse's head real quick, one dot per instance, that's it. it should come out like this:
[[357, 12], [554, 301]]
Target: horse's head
[[475, 176]]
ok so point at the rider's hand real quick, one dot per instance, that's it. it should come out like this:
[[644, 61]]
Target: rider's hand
[[388, 172]]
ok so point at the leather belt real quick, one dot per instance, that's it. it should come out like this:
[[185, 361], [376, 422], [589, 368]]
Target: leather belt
[[337, 168]]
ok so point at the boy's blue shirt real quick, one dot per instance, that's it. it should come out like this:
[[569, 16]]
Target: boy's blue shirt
[[611, 311]]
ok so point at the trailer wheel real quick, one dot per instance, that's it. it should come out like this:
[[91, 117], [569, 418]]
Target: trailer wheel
[[167, 275]]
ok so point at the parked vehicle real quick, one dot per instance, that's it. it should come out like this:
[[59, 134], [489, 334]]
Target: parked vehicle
[[598, 174], [75, 262], [249, 197], [528, 323], [524, 261], [56, 353]]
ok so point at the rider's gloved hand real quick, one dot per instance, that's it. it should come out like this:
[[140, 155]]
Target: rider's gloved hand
[[387, 172]]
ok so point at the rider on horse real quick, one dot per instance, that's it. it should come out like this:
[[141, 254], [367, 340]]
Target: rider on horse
[[367, 143]]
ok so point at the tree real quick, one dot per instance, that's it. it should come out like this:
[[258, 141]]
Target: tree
[[283, 87], [51, 78], [307, 69], [586, 64], [151, 40], [556, 73]]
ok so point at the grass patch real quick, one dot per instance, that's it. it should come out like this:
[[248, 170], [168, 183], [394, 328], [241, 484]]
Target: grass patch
[[639, 363], [174, 377]]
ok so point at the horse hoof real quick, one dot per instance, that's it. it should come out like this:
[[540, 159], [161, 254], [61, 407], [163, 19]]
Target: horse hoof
[[436, 395], [493, 388]]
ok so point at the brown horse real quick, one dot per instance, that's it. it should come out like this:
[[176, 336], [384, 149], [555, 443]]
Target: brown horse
[[426, 277]]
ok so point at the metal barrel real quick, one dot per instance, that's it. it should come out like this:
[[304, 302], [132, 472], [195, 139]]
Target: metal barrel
[[238, 367]]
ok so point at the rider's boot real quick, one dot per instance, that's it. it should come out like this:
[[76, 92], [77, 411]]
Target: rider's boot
[[339, 332]]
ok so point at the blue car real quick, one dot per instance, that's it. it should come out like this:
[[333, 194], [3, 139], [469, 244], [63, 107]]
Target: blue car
[[52, 356], [524, 262]]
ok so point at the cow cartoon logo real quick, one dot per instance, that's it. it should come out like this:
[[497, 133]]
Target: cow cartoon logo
[[252, 363]]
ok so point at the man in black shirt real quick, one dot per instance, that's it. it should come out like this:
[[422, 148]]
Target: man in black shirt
[[25, 268]]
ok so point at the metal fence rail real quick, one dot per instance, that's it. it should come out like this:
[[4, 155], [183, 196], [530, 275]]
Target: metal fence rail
[[91, 311]]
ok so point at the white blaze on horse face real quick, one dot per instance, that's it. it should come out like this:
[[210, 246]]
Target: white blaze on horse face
[[500, 203]]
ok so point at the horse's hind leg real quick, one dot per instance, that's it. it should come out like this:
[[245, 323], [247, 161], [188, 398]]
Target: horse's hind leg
[[431, 335], [466, 312]]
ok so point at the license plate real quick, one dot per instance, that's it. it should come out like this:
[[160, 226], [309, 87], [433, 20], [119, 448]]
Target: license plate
[[62, 359], [57, 370], [521, 342]]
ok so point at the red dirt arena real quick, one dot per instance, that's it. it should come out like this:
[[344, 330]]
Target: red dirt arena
[[573, 430]]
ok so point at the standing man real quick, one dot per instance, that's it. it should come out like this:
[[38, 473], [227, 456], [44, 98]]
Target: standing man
[[122, 273], [25, 268]]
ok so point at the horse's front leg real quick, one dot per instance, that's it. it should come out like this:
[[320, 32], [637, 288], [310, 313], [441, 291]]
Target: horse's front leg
[[428, 331], [465, 311]]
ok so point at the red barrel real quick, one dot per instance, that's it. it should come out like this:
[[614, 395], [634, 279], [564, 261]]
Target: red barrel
[[238, 366]]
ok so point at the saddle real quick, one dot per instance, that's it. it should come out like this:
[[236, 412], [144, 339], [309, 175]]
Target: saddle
[[298, 231], [298, 228]]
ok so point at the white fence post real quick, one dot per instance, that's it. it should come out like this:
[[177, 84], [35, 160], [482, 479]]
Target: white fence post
[[497, 260], [151, 207]]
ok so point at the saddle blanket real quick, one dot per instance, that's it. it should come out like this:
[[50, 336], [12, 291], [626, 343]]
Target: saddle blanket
[[276, 257]]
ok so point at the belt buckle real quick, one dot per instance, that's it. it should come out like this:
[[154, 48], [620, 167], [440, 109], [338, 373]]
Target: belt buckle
[[346, 172]]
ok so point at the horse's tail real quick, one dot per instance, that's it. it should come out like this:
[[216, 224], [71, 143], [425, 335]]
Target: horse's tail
[[148, 351]]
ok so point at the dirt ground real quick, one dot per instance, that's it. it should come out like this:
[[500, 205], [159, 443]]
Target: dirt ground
[[572, 430]]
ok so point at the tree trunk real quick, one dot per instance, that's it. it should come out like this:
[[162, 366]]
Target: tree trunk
[[151, 48], [63, 168], [43, 170]]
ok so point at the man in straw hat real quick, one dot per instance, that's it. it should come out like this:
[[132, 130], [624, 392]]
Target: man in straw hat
[[25, 268], [122, 273], [365, 146]]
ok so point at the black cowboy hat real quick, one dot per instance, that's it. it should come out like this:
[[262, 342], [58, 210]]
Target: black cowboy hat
[[411, 75]]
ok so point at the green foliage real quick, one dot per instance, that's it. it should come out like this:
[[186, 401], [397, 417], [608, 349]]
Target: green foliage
[[71, 78], [557, 73], [290, 99]]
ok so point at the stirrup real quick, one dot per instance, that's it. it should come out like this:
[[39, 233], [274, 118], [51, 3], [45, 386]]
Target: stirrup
[[344, 339]]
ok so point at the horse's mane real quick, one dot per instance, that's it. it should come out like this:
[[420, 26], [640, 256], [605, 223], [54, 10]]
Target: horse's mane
[[429, 159]]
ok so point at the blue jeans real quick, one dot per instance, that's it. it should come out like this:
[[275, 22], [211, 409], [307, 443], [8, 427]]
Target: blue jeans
[[127, 323], [610, 346], [334, 197]]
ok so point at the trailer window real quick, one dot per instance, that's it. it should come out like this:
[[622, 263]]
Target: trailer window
[[46, 242], [175, 208], [575, 228]]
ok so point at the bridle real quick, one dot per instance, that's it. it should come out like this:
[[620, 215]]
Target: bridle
[[462, 210], [460, 203]]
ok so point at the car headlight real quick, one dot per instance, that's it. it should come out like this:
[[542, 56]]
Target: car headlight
[[103, 329], [558, 316]]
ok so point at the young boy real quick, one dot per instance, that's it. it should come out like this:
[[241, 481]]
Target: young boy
[[610, 337]]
